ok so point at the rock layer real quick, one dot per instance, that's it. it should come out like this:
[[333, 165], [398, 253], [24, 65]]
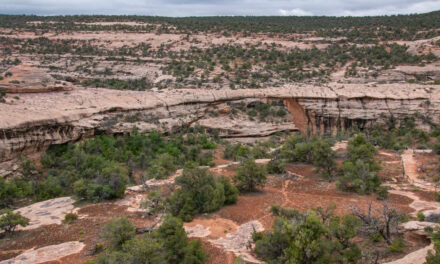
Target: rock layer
[[29, 79], [39, 120], [47, 254]]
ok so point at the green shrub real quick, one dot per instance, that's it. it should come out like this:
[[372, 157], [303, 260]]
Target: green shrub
[[436, 147], [397, 246], [80, 188], [98, 248], [199, 192], [118, 231], [250, 176], [358, 177], [154, 203], [179, 250], [111, 184], [376, 237], [360, 149], [167, 244], [70, 218], [294, 236], [433, 256], [10, 220], [231, 192], [382, 193], [49, 188], [239, 260], [322, 156], [2, 93], [242, 152], [281, 112], [437, 196], [288, 150], [13, 189], [316, 151], [276, 166], [260, 151], [360, 170], [100, 168], [420, 216], [252, 113], [236, 152], [435, 132]]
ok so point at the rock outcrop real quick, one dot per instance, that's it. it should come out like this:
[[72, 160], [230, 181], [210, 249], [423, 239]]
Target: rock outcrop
[[29, 79], [39, 120], [52, 254]]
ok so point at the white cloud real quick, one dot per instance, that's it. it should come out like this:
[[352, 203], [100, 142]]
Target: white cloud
[[295, 12], [220, 7], [411, 8]]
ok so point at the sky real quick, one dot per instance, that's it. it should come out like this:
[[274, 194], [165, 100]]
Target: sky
[[219, 7]]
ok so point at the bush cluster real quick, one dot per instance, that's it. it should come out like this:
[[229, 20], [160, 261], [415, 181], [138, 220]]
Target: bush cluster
[[316, 151], [199, 192], [312, 237], [240, 151], [358, 29], [100, 168], [249, 176], [406, 135], [359, 171], [167, 244], [130, 84], [10, 220]]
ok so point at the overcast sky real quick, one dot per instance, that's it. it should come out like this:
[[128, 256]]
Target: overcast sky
[[219, 7]]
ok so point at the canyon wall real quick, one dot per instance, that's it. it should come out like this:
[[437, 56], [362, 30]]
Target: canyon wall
[[333, 115], [36, 121]]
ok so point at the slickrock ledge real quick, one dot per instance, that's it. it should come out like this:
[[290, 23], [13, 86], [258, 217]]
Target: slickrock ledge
[[30, 79], [37, 120]]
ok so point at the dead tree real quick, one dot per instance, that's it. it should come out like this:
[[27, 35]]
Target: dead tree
[[385, 222], [144, 178]]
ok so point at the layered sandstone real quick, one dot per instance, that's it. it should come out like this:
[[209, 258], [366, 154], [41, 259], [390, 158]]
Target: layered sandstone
[[38, 120], [29, 79]]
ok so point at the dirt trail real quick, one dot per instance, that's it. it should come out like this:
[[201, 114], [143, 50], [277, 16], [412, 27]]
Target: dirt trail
[[419, 205], [239, 242], [226, 234], [410, 168], [212, 228], [285, 198]]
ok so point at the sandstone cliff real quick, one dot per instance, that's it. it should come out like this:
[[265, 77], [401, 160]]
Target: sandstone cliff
[[37, 120]]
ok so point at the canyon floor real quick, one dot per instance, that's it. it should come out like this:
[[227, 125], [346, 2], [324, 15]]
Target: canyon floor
[[225, 233]]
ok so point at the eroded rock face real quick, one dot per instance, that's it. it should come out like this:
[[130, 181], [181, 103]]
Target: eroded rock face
[[46, 254], [418, 227], [29, 79], [46, 212], [240, 242], [39, 120], [416, 257]]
